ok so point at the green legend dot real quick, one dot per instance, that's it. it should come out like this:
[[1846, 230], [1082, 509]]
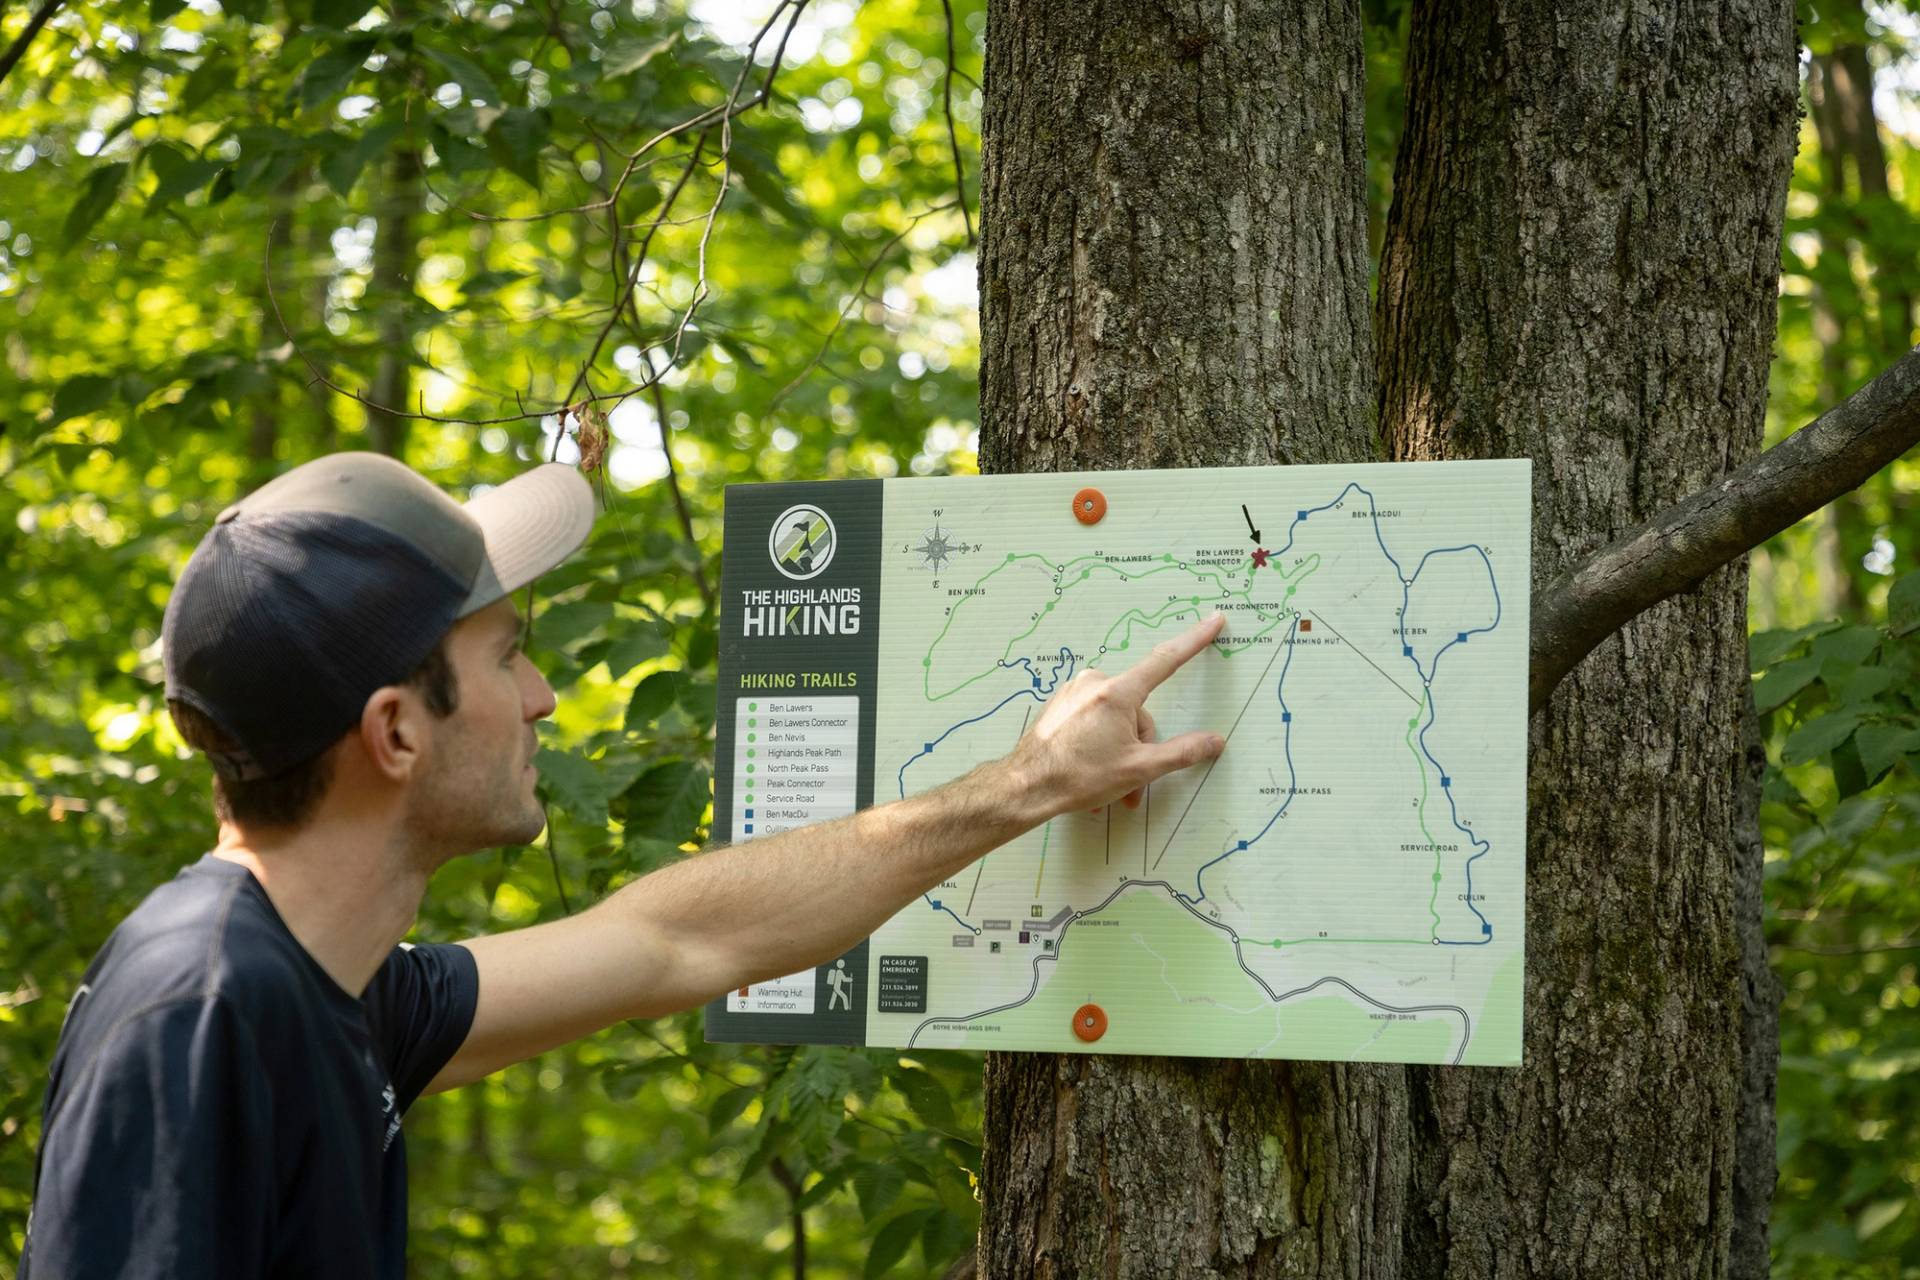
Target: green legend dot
[[749, 797], [753, 737], [752, 722], [750, 753], [749, 768], [753, 706]]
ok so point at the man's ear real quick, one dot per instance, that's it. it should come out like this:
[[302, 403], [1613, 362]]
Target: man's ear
[[394, 732]]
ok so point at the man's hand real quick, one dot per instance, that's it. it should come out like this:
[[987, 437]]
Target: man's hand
[[1095, 742]]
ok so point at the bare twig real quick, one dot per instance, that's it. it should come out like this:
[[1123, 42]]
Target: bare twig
[[1697, 535], [679, 496], [790, 1184], [853, 301], [953, 136], [18, 48]]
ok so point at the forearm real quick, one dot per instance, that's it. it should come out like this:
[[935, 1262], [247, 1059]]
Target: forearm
[[789, 901]]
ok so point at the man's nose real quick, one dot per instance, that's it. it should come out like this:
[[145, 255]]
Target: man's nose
[[536, 695]]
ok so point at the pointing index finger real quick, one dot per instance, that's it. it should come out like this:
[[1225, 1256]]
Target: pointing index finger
[[1168, 657]]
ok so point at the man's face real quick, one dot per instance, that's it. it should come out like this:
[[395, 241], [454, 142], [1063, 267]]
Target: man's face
[[477, 788]]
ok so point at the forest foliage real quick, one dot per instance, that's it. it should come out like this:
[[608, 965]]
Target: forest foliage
[[712, 243]]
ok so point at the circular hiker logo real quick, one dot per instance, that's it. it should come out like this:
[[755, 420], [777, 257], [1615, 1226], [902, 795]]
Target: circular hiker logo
[[802, 542]]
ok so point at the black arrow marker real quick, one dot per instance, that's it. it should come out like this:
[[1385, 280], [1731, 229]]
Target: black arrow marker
[[1250, 529]]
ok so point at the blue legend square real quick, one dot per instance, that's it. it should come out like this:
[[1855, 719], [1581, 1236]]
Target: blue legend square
[[1286, 717], [749, 815], [1462, 638], [1406, 651], [749, 828], [1446, 781]]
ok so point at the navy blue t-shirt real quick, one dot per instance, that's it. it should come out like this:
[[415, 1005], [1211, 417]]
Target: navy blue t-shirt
[[219, 1107]]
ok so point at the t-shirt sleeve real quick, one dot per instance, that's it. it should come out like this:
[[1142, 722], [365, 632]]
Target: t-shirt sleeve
[[160, 1162], [421, 1005]]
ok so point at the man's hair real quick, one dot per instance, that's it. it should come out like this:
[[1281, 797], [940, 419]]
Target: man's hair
[[288, 799]]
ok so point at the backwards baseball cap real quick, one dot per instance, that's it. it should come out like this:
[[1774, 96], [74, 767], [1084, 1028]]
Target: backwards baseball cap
[[339, 578]]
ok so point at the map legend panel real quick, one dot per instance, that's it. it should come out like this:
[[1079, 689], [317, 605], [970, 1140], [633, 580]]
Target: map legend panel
[[795, 761]]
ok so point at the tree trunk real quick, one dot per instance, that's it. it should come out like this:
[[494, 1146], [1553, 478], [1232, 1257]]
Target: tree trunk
[[1174, 273], [1580, 268], [394, 260]]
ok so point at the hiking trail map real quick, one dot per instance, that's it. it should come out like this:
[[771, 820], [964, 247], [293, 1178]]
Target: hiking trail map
[[1345, 882]]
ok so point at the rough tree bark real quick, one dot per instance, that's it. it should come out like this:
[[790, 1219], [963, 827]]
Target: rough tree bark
[[1580, 268], [1174, 273]]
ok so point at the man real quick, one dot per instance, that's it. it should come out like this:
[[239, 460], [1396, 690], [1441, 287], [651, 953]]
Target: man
[[227, 1094]]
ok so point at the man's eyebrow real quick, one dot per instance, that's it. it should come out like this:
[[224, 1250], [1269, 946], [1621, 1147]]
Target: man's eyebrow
[[510, 636]]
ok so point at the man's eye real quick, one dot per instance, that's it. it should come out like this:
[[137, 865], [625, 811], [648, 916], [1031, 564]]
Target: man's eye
[[507, 659]]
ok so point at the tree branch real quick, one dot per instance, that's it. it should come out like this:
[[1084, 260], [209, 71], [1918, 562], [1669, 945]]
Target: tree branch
[[1830, 456], [19, 46]]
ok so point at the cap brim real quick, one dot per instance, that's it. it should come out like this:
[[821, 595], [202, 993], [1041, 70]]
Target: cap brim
[[531, 523]]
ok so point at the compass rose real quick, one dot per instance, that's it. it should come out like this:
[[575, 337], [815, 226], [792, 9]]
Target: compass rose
[[936, 548]]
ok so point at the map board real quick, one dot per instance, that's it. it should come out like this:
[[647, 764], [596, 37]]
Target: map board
[[1345, 882]]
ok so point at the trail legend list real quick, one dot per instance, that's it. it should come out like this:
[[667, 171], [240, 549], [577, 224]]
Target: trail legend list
[[795, 761]]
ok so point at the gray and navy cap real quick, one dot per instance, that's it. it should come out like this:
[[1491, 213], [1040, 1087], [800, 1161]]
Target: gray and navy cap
[[339, 578]]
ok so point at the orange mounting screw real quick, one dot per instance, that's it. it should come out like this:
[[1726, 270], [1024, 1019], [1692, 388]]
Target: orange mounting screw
[[1089, 1022], [1089, 506]]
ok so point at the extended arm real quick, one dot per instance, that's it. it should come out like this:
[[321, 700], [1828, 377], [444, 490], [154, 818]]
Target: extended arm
[[689, 932]]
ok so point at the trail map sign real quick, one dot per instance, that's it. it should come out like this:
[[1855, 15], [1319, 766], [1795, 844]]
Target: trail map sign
[[1345, 882]]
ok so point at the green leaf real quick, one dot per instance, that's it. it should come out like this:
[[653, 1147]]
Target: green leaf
[[727, 1107], [342, 166], [177, 174], [1855, 684], [562, 626], [877, 1186], [490, 282], [1781, 682], [332, 71], [891, 1242], [668, 800], [1767, 647], [572, 785], [102, 188], [1877, 1216], [468, 74], [82, 395], [1903, 605], [158, 11], [516, 138], [925, 1095], [628, 57], [1882, 745], [340, 13], [1849, 644], [651, 698], [1819, 736], [639, 642]]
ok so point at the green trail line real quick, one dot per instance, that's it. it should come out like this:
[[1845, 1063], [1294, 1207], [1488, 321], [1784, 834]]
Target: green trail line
[[1046, 834], [1372, 942], [1062, 586], [1426, 700]]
